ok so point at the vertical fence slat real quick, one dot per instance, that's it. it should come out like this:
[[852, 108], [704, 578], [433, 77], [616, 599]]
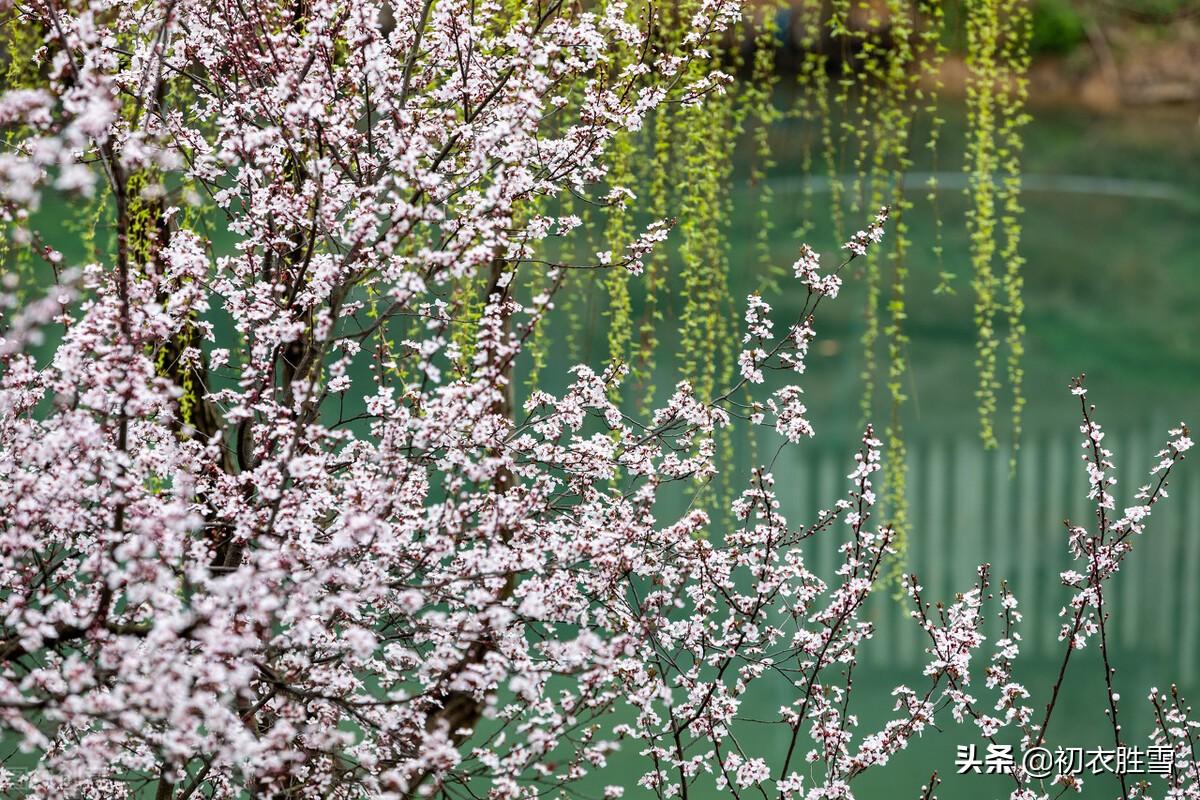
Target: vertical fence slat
[[1028, 591], [1001, 542], [1191, 582], [967, 495], [1130, 584], [907, 642]]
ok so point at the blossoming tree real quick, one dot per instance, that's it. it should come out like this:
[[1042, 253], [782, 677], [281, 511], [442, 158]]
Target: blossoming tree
[[272, 522]]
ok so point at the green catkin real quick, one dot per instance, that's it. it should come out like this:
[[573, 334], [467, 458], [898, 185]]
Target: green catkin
[[875, 148], [931, 54], [761, 115], [96, 212], [537, 280], [917, 61], [467, 302], [657, 266], [87, 218], [726, 337], [143, 217], [618, 235], [537, 348], [21, 72], [888, 92], [902, 104], [189, 375], [700, 212], [844, 91], [577, 249], [23, 40], [540, 280], [576, 284], [1016, 21], [997, 58], [804, 113], [823, 90], [390, 356], [889, 73], [660, 171], [983, 31], [707, 135]]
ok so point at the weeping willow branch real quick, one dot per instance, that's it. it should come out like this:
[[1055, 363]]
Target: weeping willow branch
[[998, 34], [866, 75]]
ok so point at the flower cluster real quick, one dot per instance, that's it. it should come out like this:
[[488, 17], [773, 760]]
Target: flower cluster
[[861, 241], [274, 523]]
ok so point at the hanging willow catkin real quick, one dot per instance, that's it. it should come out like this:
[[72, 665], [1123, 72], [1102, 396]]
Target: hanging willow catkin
[[761, 115], [657, 158], [618, 234], [982, 45], [997, 58], [658, 171], [707, 342], [931, 52], [902, 103], [1016, 30], [703, 263], [21, 72]]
